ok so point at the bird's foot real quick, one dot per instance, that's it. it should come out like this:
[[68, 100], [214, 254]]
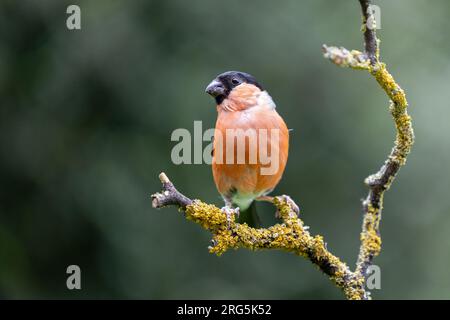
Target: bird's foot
[[229, 212], [291, 204]]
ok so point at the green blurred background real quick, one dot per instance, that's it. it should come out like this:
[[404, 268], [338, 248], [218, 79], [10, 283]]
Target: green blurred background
[[85, 124]]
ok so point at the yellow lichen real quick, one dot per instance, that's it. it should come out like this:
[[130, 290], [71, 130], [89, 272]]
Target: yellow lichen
[[371, 242], [208, 216], [385, 79]]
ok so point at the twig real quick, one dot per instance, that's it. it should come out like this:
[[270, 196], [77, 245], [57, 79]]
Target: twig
[[169, 196]]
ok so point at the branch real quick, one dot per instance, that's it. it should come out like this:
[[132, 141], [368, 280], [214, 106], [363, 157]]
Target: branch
[[170, 195], [370, 36], [292, 235], [379, 182]]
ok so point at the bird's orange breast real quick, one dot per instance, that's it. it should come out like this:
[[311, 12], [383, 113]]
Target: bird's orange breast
[[255, 175]]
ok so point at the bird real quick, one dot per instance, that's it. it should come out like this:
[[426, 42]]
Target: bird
[[245, 113]]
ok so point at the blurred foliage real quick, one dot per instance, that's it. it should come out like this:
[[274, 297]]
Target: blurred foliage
[[85, 124]]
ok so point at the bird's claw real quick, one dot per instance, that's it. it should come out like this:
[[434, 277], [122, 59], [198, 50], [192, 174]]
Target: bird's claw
[[291, 204], [229, 212]]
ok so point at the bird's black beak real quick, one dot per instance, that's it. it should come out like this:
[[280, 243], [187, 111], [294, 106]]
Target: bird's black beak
[[215, 89]]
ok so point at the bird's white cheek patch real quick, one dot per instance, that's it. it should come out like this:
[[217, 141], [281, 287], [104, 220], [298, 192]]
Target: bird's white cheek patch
[[264, 99]]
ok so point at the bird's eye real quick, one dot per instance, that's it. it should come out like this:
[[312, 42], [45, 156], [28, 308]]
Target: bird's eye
[[235, 81]]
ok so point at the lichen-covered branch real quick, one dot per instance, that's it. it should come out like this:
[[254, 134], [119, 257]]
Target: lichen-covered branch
[[379, 182], [291, 234]]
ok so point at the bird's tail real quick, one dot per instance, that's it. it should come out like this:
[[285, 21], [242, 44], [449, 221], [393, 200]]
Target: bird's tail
[[250, 216]]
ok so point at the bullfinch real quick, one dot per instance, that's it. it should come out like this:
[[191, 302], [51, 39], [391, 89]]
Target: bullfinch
[[251, 143]]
